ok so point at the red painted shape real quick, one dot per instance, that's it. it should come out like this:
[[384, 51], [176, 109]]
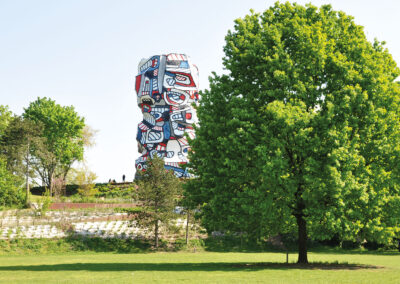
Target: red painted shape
[[188, 115], [146, 108], [190, 84], [138, 81]]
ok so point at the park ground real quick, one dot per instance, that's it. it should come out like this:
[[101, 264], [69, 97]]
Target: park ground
[[201, 267], [90, 259]]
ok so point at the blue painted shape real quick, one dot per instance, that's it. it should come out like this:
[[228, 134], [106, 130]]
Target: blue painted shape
[[174, 169], [184, 64], [139, 134], [167, 130]]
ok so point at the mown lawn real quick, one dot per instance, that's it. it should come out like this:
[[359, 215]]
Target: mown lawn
[[200, 267]]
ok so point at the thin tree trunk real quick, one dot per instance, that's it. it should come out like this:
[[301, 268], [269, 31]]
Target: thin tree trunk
[[27, 176], [302, 227], [156, 233], [51, 184], [187, 226]]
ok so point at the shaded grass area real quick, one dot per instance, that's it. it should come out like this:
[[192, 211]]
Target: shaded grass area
[[214, 266], [234, 244], [203, 267]]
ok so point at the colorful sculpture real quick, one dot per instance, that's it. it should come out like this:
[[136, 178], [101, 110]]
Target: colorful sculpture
[[166, 87]]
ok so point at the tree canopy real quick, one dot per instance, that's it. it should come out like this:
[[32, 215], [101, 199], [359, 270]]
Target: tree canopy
[[19, 139], [303, 132], [63, 130], [5, 117], [17, 135]]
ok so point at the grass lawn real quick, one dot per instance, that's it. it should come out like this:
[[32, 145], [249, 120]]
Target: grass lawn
[[200, 267], [37, 198]]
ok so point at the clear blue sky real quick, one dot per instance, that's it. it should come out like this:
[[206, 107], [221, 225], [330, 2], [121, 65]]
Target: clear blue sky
[[85, 53]]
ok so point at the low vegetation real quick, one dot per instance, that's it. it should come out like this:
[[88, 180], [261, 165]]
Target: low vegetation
[[199, 267]]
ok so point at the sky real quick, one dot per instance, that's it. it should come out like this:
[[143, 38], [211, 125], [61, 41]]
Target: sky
[[85, 53]]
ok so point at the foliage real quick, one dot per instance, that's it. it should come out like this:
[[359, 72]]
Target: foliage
[[17, 143], [116, 191], [11, 193], [70, 189], [63, 131], [84, 178], [46, 202], [304, 128], [5, 118], [88, 135], [104, 192], [71, 244], [19, 139], [157, 191]]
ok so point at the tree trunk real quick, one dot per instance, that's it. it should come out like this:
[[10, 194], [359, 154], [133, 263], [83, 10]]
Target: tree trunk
[[156, 233], [27, 176], [187, 226], [302, 227]]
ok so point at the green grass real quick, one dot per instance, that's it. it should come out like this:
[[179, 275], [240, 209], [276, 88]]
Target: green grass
[[37, 198], [76, 198], [200, 267]]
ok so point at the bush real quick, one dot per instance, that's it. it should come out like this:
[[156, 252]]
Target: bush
[[70, 189], [112, 191], [46, 203], [72, 244]]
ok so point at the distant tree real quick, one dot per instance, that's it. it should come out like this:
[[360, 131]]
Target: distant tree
[[302, 133], [11, 193], [158, 190], [20, 139], [85, 179], [88, 136], [5, 117], [63, 129]]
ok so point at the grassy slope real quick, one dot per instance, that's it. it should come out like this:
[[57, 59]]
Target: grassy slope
[[203, 267]]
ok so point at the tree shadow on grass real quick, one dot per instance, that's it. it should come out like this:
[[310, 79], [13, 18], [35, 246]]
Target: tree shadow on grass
[[355, 251], [209, 266], [229, 244]]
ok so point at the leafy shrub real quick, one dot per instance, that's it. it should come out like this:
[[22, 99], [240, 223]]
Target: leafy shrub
[[72, 244], [112, 191]]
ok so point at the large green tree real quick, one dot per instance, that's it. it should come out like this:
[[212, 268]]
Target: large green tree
[[63, 130], [302, 134]]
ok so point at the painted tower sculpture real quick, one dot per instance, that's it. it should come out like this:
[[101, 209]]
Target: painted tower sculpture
[[166, 87]]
